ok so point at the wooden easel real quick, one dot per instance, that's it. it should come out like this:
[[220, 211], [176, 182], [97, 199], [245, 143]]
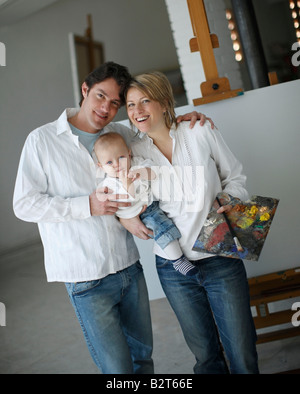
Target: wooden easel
[[90, 41], [93, 50], [214, 88]]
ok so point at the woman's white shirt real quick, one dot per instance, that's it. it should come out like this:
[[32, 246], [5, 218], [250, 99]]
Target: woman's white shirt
[[202, 166]]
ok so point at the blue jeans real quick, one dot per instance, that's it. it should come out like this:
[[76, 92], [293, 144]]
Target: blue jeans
[[114, 314], [163, 228], [211, 306]]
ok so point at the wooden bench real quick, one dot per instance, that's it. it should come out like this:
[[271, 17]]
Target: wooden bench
[[270, 288]]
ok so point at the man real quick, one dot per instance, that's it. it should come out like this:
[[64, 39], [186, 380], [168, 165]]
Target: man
[[85, 245]]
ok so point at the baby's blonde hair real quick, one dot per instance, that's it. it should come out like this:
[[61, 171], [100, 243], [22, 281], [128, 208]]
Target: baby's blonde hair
[[108, 138]]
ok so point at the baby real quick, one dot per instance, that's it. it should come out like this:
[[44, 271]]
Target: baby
[[132, 176]]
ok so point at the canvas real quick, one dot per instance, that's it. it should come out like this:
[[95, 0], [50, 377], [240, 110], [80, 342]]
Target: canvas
[[250, 220]]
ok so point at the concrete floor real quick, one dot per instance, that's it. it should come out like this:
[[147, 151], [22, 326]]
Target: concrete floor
[[42, 335]]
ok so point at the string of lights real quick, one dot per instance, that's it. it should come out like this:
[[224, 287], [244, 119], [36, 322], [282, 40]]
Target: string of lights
[[234, 36], [295, 9]]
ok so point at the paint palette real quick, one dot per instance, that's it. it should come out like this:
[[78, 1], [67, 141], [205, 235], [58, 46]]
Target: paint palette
[[251, 221]]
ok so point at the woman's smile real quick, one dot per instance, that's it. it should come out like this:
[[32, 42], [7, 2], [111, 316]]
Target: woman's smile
[[146, 114], [142, 119]]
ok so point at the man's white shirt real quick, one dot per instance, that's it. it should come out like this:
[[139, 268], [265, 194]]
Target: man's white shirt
[[56, 175]]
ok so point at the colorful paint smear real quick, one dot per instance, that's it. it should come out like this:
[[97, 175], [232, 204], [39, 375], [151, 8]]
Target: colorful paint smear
[[251, 220]]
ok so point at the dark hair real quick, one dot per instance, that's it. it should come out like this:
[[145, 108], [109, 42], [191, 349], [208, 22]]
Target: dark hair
[[109, 70]]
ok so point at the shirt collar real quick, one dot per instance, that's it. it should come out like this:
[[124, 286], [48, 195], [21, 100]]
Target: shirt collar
[[62, 121], [173, 131]]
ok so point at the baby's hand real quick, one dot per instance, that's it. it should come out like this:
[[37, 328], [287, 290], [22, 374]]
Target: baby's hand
[[145, 173], [134, 174]]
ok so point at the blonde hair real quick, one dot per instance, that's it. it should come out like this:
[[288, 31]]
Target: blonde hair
[[107, 139], [157, 87]]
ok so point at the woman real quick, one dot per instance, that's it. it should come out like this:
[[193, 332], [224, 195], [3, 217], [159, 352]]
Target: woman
[[214, 303]]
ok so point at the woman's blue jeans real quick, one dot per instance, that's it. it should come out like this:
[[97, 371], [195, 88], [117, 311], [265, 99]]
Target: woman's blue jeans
[[211, 306], [114, 314]]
